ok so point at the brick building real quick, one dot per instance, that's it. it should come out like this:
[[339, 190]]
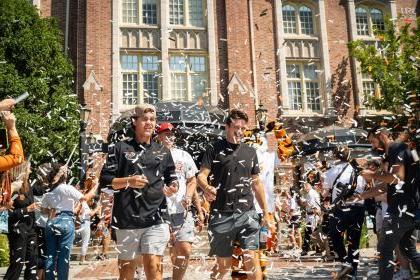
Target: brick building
[[290, 56]]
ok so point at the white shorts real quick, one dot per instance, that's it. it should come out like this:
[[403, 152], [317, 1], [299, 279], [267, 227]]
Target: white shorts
[[134, 242], [182, 227]]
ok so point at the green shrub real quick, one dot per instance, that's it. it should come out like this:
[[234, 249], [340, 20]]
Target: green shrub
[[4, 250], [364, 237]]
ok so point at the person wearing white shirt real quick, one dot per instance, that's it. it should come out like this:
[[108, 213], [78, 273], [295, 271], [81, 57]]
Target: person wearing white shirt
[[182, 221], [295, 220], [84, 213], [59, 203], [347, 216], [312, 203]]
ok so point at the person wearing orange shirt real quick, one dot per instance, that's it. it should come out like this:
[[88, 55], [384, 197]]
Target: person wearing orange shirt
[[15, 155]]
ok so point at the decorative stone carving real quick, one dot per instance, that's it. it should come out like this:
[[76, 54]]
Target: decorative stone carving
[[146, 38], [92, 83], [236, 85], [301, 48], [188, 39]]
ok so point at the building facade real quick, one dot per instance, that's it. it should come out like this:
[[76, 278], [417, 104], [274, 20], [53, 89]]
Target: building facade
[[290, 56]]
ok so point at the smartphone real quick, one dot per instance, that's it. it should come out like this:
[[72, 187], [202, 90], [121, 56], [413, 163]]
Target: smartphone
[[4, 142], [21, 97]]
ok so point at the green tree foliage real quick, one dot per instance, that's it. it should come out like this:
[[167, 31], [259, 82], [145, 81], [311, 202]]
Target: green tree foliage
[[393, 63], [32, 60], [4, 250]]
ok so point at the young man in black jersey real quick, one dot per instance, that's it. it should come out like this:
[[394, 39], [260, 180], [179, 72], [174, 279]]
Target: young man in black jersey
[[141, 172], [400, 186], [228, 175]]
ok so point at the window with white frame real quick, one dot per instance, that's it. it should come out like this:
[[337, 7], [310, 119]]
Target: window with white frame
[[369, 20], [140, 75], [298, 20], [146, 10], [176, 12], [369, 88], [306, 20], [189, 77], [187, 12], [149, 11], [178, 78], [195, 12], [130, 11], [303, 87], [198, 73]]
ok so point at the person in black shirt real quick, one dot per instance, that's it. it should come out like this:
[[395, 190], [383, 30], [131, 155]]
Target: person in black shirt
[[22, 235], [232, 170], [398, 227], [141, 172]]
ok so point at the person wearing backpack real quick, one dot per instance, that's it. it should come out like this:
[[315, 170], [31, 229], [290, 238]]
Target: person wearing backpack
[[399, 176], [342, 180]]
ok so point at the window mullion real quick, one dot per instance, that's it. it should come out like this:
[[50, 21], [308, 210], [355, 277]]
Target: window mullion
[[140, 97], [189, 81], [140, 11], [186, 13], [303, 88]]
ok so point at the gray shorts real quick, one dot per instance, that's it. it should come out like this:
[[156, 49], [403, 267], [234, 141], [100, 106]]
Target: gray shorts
[[183, 229], [226, 228], [134, 242]]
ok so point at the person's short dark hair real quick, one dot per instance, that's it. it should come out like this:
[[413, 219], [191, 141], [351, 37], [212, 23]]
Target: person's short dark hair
[[342, 153], [374, 162], [236, 114], [48, 171], [375, 131]]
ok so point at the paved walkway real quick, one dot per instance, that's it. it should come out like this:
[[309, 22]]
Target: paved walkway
[[278, 268]]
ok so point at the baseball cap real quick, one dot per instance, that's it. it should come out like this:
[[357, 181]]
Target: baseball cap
[[140, 109], [164, 126]]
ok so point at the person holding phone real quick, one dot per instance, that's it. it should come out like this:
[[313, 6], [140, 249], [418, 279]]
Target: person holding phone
[[14, 155]]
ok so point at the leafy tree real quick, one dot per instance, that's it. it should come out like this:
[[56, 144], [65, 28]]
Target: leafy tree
[[4, 250], [32, 60], [393, 63]]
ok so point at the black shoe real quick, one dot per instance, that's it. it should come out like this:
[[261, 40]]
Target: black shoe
[[344, 273], [303, 253]]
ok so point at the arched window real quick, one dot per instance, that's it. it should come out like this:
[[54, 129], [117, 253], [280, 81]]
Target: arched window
[[362, 22], [377, 19], [303, 87], [289, 19], [369, 20], [298, 20], [306, 21]]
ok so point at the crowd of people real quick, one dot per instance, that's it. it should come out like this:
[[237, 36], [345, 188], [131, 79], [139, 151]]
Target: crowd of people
[[150, 195], [331, 207]]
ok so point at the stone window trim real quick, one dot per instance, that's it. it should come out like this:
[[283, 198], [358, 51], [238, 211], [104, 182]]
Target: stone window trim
[[305, 85], [139, 22], [297, 5], [363, 82], [369, 34], [139, 67], [187, 15]]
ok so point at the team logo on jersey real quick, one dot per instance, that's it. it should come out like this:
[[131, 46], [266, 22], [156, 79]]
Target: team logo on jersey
[[179, 166], [130, 156]]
